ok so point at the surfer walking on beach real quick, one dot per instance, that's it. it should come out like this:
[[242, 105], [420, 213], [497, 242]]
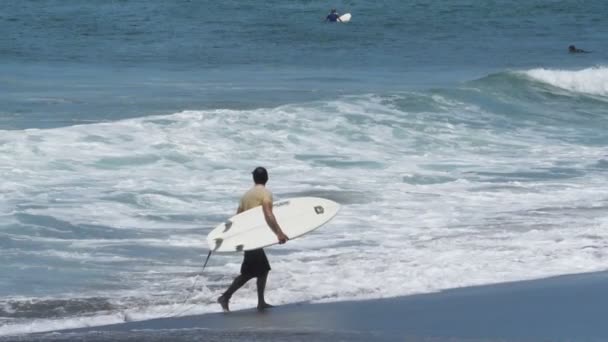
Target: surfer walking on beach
[[255, 264]]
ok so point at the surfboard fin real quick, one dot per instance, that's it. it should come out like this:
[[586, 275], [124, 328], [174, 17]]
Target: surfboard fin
[[227, 226], [218, 243]]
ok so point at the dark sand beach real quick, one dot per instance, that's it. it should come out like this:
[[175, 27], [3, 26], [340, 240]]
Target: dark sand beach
[[564, 308]]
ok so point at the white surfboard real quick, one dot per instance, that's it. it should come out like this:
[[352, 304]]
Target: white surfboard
[[345, 17], [248, 230]]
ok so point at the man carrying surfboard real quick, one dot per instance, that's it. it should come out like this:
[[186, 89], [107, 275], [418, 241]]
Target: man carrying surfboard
[[255, 264]]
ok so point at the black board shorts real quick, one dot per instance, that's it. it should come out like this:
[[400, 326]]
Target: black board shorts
[[255, 263]]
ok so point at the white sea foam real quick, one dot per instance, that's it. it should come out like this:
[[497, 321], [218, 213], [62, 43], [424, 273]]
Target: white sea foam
[[518, 204], [592, 81]]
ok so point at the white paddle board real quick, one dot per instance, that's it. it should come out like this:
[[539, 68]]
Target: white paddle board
[[345, 17], [248, 230]]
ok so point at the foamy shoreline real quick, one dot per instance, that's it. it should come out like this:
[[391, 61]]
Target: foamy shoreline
[[571, 307]]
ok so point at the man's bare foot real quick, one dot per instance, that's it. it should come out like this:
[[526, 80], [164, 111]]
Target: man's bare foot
[[224, 303], [264, 306]]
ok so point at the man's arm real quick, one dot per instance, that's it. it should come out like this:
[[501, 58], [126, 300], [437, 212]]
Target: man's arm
[[272, 221]]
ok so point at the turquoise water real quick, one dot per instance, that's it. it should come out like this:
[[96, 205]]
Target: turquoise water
[[74, 61], [460, 138]]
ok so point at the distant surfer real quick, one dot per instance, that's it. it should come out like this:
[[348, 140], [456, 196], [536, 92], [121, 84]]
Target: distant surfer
[[333, 16], [255, 264], [574, 49]]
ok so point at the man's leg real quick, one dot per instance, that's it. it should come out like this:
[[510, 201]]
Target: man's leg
[[261, 285], [236, 284]]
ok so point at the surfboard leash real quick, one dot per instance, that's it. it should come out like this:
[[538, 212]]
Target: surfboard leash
[[206, 260], [191, 291], [188, 297]]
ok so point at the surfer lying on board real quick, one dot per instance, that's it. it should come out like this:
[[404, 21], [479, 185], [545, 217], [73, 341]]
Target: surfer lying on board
[[255, 264], [574, 49], [333, 16]]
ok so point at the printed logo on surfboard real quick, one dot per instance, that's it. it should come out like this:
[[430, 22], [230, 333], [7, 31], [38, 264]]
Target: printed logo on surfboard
[[280, 204]]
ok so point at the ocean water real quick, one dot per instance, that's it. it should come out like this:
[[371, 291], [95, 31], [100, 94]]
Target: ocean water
[[465, 144]]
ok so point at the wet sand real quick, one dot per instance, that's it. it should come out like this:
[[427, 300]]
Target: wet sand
[[565, 308]]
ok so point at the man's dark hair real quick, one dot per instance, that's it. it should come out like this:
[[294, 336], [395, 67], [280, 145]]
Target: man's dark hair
[[260, 175]]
